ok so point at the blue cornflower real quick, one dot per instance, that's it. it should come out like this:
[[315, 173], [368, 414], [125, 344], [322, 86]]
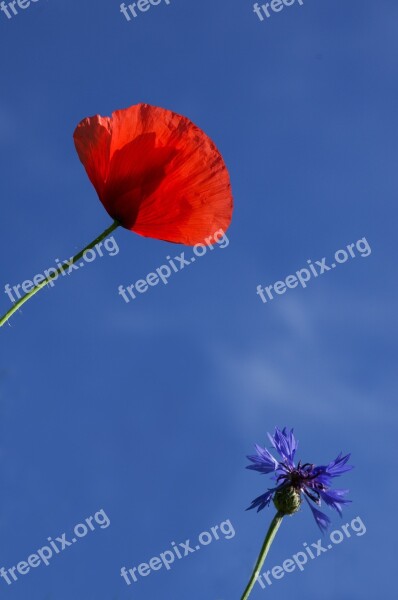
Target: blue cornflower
[[297, 481]]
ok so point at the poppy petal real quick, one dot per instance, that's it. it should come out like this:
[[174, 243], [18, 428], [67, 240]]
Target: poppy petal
[[93, 140]]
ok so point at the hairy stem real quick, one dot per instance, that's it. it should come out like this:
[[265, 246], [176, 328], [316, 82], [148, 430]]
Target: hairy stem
[[269, 538], [61, 269]]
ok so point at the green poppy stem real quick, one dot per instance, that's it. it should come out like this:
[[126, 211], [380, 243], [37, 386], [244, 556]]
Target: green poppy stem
[[269, 538], [59, 271]]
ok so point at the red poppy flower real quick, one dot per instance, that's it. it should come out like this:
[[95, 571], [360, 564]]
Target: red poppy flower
[[156, 173]]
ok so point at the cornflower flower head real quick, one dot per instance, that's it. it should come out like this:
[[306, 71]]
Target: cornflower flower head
[[298, 481]]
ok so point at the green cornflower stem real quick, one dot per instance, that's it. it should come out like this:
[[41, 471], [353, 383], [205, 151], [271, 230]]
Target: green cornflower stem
[[61, 269], [269, 538]]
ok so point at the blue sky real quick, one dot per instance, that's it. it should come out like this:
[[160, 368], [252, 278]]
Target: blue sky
[[147, 410]]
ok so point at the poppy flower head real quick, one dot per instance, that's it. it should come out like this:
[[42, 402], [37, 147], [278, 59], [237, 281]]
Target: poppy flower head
[[156, 173]]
